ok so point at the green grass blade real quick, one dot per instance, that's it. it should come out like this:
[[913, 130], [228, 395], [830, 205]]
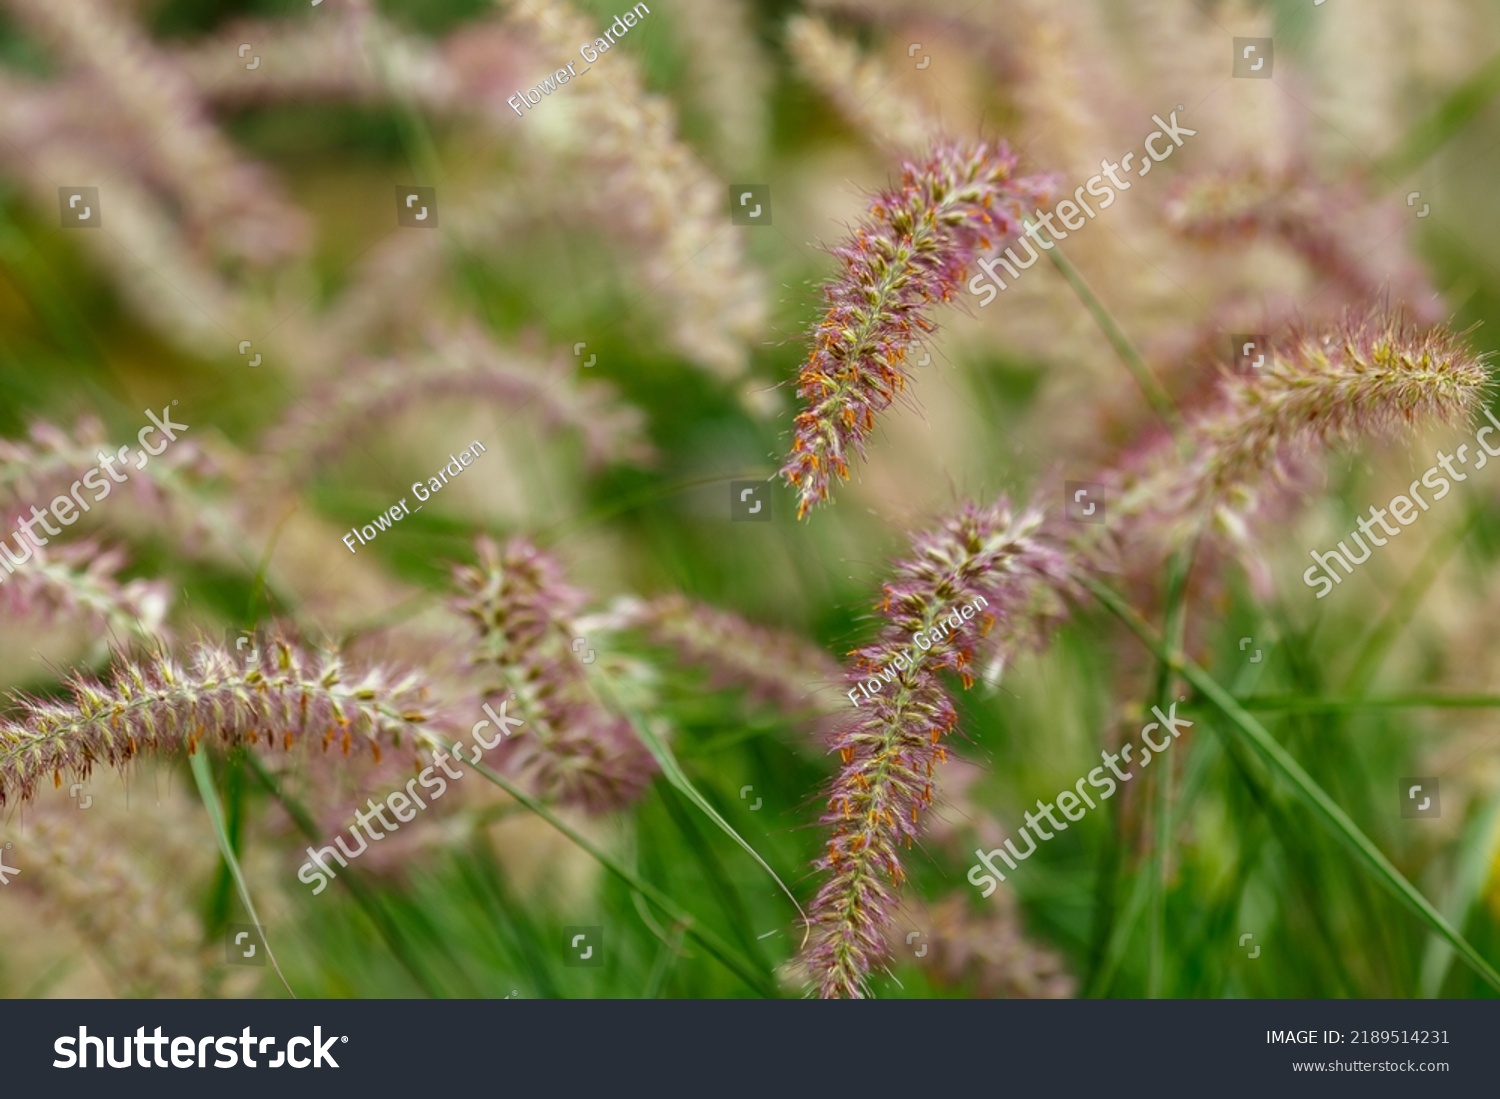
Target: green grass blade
[[673, 773], [366, 900], [222, 892], [665, 959], [1120, 936], [1417, 700], [508, 915], [1288, 768], [1478, 845], [205, 780], [728, 898], [1175, 621], [710, 941]]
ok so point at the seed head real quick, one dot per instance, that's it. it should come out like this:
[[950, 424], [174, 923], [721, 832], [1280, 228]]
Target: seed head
[[891, 744], [1372, 376], [573, 748], [284, 696], [913, 251], [780, 669]]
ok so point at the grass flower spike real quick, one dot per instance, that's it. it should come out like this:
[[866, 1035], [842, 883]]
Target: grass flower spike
[[914, 251], [460, 365], [858, 85], [986, 556], [158, 704], [572, 749], [82, 579], [1372, 376], [1351, 238], [778, 668], [988, 951]]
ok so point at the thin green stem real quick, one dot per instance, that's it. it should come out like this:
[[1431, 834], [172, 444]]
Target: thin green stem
[[1175, 619], [1455, 112], [1416, 700], [1407, 600], [1311, 794], [665, 958], [1155, 394], [362, 896], [203, 776], [710, 941]]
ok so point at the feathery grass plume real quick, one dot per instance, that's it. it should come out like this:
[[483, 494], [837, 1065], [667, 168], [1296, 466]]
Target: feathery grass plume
[[913, 251], [223, 198], [1373, 375], [124, 881], [1050, 59], [991, 560], [1069, 93], [81, 579], [989, 32], [318, 59], [1357, 244], [50, 462], [151, 264], [859, 86], [987, 950], [728, 78], [144, 257], [156, 704], [778, 668], [466, 363], [572, 748], [647, 184], [43, 466]]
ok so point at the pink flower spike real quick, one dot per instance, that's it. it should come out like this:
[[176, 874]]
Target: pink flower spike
[[914, 250], [990, 562]]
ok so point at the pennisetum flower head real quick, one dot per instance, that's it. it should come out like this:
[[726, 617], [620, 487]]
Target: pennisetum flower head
[[780, 669], [986, 559], [913, 251], [860, 86], [50, 462], [1351, 239], [624, 136], [988, 951], [127, 883], [1373, 375], [80, 578], [572, 748], [466, 364], [284, 695]]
